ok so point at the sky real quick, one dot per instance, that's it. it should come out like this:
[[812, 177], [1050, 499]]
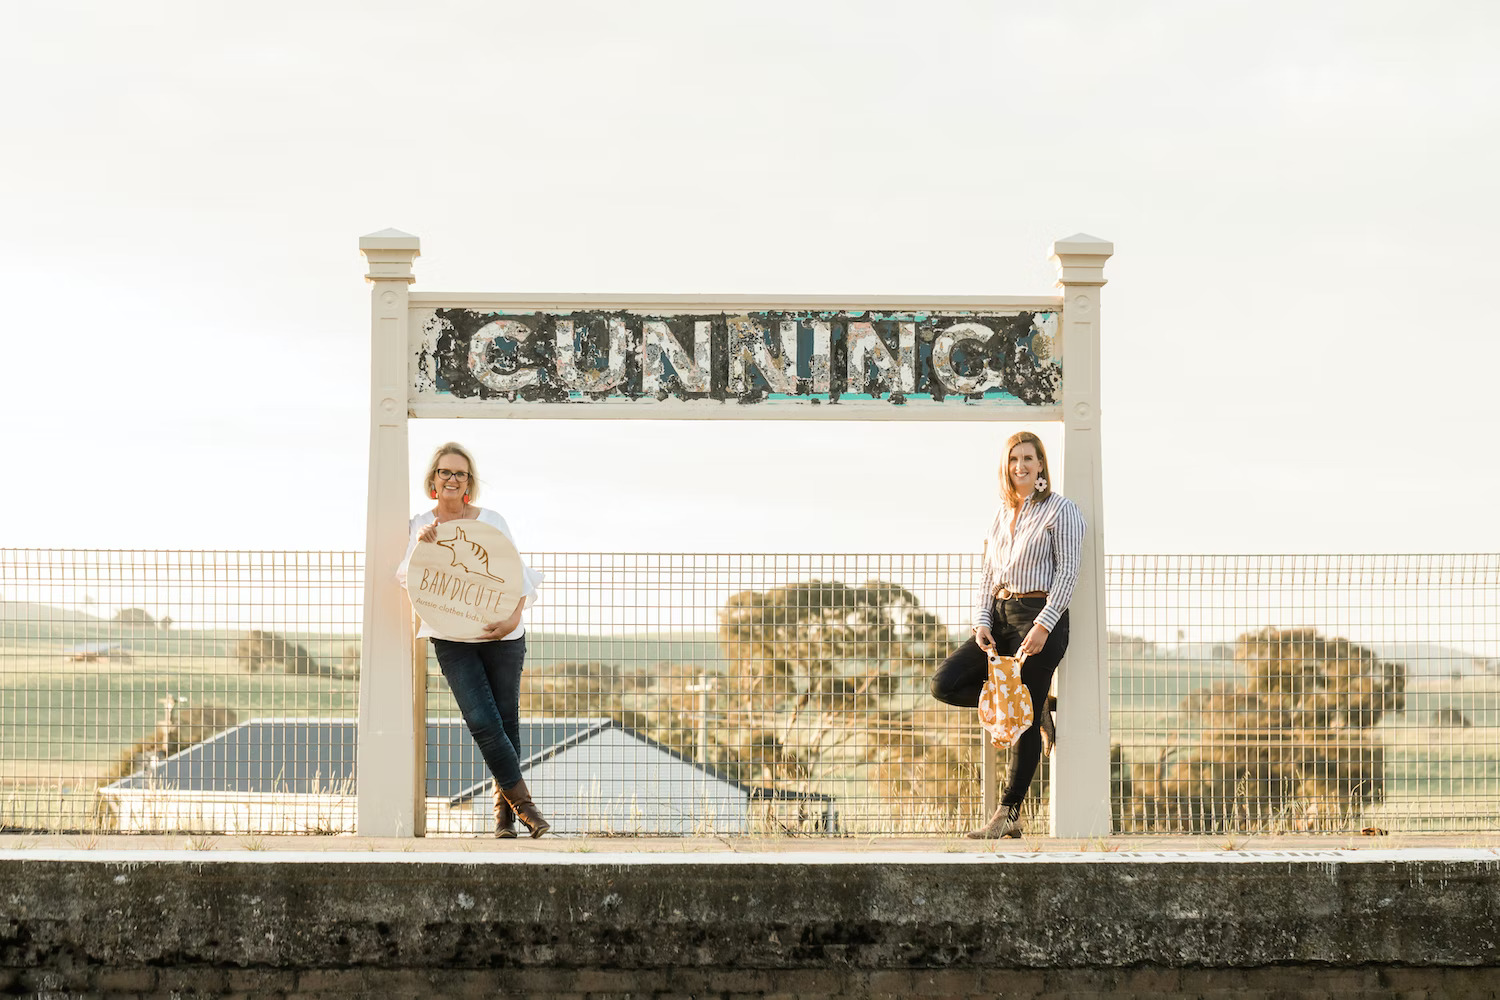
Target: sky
[[1301, 198]]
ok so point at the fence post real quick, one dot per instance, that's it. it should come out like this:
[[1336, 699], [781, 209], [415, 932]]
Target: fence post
[[391, 786], [1081, 765]]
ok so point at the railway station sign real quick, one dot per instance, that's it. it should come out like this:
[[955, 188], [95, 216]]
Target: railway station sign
[[947, 362]]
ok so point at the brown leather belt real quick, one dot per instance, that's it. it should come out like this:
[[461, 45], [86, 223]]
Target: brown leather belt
[[1009, 595]]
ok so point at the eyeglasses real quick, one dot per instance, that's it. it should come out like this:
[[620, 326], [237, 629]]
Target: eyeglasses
[[445, 475]]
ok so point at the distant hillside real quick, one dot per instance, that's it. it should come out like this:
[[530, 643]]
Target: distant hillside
[[1423, 660], [31, 624], [642, 649], [1429, 660], [21, 611]]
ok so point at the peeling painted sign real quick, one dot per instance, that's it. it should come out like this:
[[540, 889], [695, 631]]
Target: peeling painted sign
[[814, 358]]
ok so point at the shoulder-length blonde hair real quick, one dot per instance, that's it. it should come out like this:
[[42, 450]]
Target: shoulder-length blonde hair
[[429, 484], [1007, 488]]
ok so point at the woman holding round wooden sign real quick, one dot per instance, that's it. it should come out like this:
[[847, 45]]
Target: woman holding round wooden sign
[[469, 586], [1030, 567]]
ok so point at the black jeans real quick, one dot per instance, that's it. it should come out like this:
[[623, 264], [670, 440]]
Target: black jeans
[[960, 678], [485, 678]]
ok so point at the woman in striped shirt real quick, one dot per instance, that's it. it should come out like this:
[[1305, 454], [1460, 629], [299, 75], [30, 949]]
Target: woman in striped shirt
[[1031, 560]]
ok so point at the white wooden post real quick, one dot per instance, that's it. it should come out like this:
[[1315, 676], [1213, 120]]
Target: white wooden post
[[391, 785], [989, 776], [1080, 765]]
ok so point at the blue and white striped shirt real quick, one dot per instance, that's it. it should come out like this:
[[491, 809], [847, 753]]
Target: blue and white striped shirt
[[1044, 554]]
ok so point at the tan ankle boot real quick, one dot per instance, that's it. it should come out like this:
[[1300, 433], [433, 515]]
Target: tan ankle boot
[[526, 811], [505, 817], [1005, 823]]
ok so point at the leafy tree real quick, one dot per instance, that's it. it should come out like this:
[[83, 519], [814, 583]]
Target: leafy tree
[[829, 680], [1285, 743]]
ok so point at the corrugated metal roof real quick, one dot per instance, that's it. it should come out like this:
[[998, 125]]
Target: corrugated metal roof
[[317, 757]]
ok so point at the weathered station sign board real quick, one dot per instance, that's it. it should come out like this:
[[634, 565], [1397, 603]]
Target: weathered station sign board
[[946, 363]]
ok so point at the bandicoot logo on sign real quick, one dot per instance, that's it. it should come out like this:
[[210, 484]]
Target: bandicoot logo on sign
[[469, 577], [829, 357]]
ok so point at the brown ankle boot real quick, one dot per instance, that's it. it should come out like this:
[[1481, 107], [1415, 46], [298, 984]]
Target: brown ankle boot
[[505, 817], [526, 811], [1049, 733], [1005, 823]]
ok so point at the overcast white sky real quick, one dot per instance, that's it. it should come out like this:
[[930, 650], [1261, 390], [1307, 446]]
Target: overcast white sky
[[1298, 339]]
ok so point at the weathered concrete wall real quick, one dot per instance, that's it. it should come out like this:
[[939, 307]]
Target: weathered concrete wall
[[1281, 982], [154, 922]]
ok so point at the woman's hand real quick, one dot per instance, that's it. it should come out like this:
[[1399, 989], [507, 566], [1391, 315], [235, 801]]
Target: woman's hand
[[983, 636], [1034, 641], [428, 534], [501, 629]]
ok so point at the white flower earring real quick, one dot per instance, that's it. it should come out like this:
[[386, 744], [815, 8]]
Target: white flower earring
[[1041, 484]]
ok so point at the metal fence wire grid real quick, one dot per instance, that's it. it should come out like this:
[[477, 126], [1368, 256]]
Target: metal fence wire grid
[[717, 693]]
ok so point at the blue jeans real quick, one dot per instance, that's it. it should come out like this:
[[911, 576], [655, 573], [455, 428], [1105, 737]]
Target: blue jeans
[[485, 678]]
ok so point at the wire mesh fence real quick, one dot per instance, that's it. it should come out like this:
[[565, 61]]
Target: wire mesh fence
[[1307, 692], [128, 679], [739, 694], [678, 694]]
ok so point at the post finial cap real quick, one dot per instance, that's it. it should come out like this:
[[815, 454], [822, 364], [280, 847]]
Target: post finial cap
[[1083, 243], [390, 239], [1080, 259]]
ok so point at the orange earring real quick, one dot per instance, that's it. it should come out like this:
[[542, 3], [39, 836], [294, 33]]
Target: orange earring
[[434, 494], [466, 498]]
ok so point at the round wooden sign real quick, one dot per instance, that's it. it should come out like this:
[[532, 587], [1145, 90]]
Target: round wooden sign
[[471, 576]]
